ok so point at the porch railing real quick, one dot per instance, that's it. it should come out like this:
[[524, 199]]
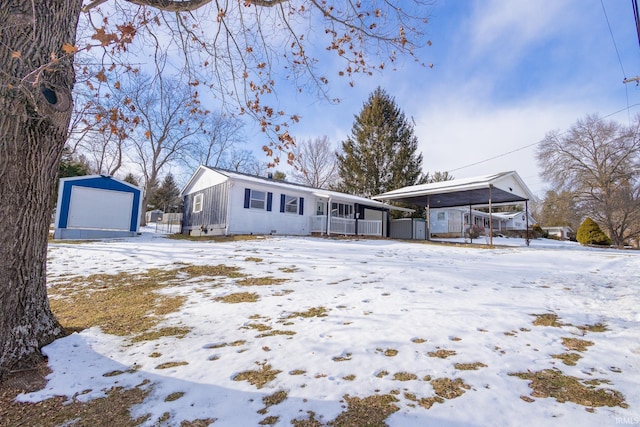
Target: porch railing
[[346, 226]]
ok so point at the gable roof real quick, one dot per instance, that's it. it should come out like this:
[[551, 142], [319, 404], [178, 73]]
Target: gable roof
[[284, 185], [501, 187]]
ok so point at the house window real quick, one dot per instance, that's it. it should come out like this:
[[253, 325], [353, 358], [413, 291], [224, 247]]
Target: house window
[[257, 199], [197, 203], [440, 216], [291, 204], [341, 210]]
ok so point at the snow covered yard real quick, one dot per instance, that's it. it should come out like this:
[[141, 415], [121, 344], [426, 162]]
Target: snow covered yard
[[342, 332]]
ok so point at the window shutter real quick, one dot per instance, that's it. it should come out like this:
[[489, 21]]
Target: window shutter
[[269, 201], [301, 210], [282, 201], [247, 197]]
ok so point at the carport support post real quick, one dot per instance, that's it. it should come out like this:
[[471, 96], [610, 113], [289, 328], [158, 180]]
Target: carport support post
[[428, 219], [490, 219], [526, 214]]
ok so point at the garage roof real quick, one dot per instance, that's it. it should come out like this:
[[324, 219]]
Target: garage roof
[[504, 187]]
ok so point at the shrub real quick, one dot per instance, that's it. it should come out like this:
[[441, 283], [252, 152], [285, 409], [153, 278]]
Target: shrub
[[473, 231], [589, 233]]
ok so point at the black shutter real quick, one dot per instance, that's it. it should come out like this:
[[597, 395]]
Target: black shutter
[[301, 211], [247, 197], [269, 201], [282, 201]]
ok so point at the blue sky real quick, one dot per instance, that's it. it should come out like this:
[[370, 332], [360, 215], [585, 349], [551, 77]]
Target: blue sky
[[505, 73]]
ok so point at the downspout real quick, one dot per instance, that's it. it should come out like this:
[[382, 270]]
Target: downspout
[[226, 225]]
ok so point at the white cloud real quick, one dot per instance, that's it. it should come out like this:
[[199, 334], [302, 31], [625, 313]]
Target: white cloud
[[511, 26]]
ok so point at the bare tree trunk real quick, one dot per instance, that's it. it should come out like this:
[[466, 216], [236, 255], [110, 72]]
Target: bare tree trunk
[[35, 108]]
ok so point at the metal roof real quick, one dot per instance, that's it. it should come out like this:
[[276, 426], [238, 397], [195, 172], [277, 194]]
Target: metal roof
[[504, 187]]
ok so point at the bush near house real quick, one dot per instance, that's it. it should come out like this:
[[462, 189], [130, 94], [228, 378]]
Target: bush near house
[[589, 233]]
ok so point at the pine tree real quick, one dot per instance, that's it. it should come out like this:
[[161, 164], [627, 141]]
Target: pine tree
[[589, 233], [131, 179], [381, 153], [166, 197]]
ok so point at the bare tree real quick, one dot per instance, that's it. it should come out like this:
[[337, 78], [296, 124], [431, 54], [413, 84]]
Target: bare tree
[[599, 162], [170, 124], [315, 163], [233, 48], [221, 134]]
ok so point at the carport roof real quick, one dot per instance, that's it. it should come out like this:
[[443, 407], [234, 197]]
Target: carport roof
[[504, 187]]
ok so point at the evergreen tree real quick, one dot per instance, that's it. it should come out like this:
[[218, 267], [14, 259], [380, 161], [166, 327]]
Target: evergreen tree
[[589, 233], [131, 179], [166, 197], [381, 153], [72, 165]]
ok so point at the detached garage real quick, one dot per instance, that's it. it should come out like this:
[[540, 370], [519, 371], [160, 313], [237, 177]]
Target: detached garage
[[95, 207]]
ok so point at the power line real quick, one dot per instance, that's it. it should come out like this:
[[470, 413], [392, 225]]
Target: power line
[[624, 75], [532, 144]]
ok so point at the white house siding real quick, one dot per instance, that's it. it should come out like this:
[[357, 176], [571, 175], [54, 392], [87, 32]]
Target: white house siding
[[262, 221]]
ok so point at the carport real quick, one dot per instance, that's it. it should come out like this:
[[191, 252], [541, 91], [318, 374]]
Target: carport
[[489, 190]]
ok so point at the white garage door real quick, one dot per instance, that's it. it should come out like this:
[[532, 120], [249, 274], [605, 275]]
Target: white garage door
[[98, 209]]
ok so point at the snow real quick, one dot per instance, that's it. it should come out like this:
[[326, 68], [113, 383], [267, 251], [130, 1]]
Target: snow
[[380, 294]]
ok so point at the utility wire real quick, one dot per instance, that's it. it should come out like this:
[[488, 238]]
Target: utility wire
[[636, 16], [624, 75], [532, 144]]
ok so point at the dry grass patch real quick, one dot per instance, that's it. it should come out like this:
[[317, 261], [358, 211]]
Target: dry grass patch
[[564, 388], [547, 319], [253, 259], [125, 304], [307, 422], [274, 399], [297, 372], [58, 412], [442, 353], [418, 340], [576, 344], [382, 374], [259, 281], [238, 297], [174, 396], [168, 365], [219, 239], [569, 359], [236, 343], [469, 366], [445, 388], [598, 327], [349, 377], [366, 411], [343, 358], [274, 333], [258, 377], [172, 331], [219, 270], [312, 312], [121, 304], [389, 352], [269, 421], [289, 269], [258, 327], [404, 376]]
